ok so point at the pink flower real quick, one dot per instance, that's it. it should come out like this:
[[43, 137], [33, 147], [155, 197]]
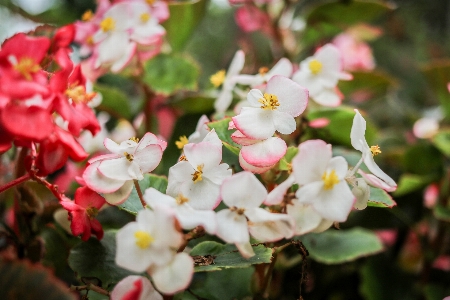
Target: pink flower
[[356, 55], [135, 287], [82, 213]]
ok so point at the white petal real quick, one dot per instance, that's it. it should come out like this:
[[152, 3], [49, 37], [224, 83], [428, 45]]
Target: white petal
[[202, 194], [148, 158], [98, 182], [218, 174], [203, 154], [178, 174], [190, 218], [245, 249], [276, 196], [269, 227], [282, 67], [306, 218], [328, 97], [147, 291], [265, 153], [375, 169], [255, 123], [236, 64], [253, 96], [154, 197], [116, 168], [224, 99], [339, 165], [150, 139], [311, 161], [243, 190], [231, 227], [357, 133], [121, 195], [377, 182], [362, 193], [284, 123], [292, 97], [175, 276]]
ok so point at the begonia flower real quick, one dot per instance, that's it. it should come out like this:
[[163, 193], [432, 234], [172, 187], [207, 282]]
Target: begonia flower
[[356, 54], [244, 194], [188, 217], [272, 111], [228, 82], [135, 287], [358, 140], [113, 174], [283, 67], [150, 244], [320, 74], [199, 174], [306, 218], [322, 180], [83, 211], [426, 128]]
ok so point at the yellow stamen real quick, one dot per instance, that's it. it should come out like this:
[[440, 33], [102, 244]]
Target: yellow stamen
[[107, 24], [27, 66], [145, 17], [87, 16], [270, 101], [197, 176], [183, 140], [134, 139], [129, 156], [92, 212], [218, 78], [329, 179], [150, 2], [239, 211], [182, 158], [143, 239], [90, 40], [263, 70], [315, 66], [375, 150], [78, 94], [181, 199]]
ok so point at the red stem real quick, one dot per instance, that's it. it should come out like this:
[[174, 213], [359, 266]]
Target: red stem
[[15, 182]]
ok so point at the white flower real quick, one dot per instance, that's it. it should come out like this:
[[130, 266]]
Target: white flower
[[243, 194], [358, 140], [113, 174], [283, 67], [272, 111], [322, 180], [141, 286]]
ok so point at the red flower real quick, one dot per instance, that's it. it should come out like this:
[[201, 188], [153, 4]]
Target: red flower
[[82, 213]]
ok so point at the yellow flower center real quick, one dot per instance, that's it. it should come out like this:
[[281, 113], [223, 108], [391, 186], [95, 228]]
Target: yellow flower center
[[218, 78], [150, 2], [27, 66], [315, 66], [263, 70], [145, 17], [375, 150], [183, 140], [107, 24], [90, 40], [129, 156], [329, 179], [143, 239], [239, 211], [87, 16], [197, 176], [92, 212], [181, 199], [78, 94], [134, 139], [182, 158], [270, 101]]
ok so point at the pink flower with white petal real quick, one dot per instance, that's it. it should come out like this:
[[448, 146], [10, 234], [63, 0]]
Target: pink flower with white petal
[[113, 174], [283, 67], [244, 194], [358, 140], [199, 174], [272, 111], [322, 180], [188, 217], [150, 244], [135, 287], [356, 54], [320, 74]]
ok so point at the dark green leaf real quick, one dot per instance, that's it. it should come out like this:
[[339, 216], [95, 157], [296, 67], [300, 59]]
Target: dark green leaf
[[227, 256], [442, 141], [184, 18], [114, 101], [222, 131], [96, 258], [438, 76], [133, 203], [380, 198], [26, 281], [422, 159], [441, 213], [167, 74], [409, 183], [194, 105], [372, 85], [339, 246]]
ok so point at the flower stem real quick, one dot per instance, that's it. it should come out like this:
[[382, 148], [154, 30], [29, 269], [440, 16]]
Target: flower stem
[[139, 191], [91, 287], [15, 182], [355, 168]]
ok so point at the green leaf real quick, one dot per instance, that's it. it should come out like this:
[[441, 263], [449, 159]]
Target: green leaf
[[423, 159], [442, 141], [230, 156], [341, 121], [96, 258], [23, 280], [339, 246], [287, 159], [437, 75], [347, 13], [133, 203], [435, 292], [441, 213], [169, 73], [222, 130], [380, 198], [372, 84], [184, 18], [227, 256], [194, 104], [409, 183], [114, 101]]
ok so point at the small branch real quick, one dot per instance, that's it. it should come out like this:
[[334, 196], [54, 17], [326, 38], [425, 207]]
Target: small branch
[[15, 182], [139, 191], [195, 233], [266, 283], [91, 287]]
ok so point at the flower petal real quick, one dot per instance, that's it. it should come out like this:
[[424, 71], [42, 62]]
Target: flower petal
[[231, 227], [293, 98], [243, 190], [174, 276], [269, 227], [306, 218], [121, 195], [265, 153], [255, 123], [311, 161]]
